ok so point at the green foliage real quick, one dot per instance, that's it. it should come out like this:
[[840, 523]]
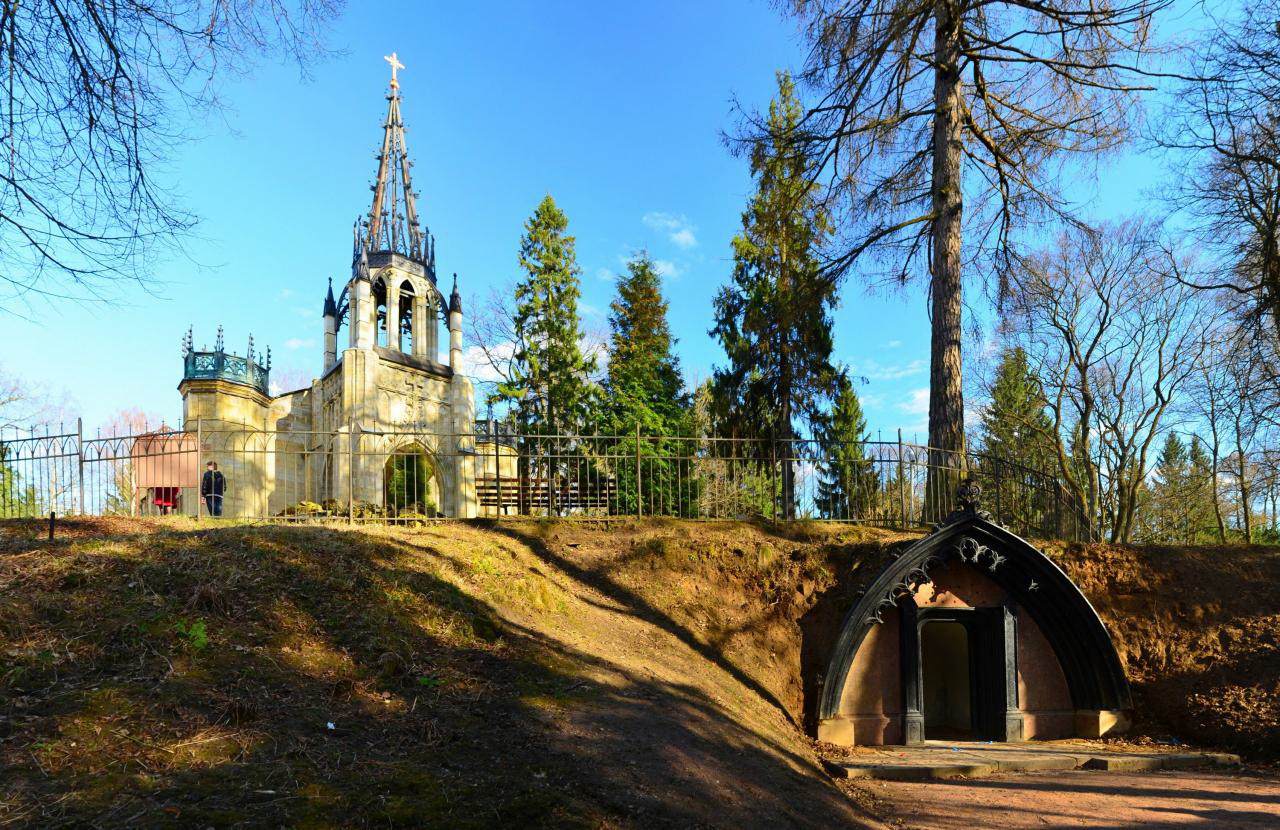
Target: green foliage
[[17, 500], [1018, 445], [1178, 502], [643, 388], [407, 482], [774, 317], [550, 387], [1016, 425], [847, 481], [194, 635]]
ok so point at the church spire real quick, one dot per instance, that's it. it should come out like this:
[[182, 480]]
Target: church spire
[[393, 218]]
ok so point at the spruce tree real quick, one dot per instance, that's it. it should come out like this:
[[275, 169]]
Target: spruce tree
[[550, 382], [1015, 426], [643, 385], [1168, 505], [643, 392], [1202, 495], [774, 317], [1017, 446], [847, 482]]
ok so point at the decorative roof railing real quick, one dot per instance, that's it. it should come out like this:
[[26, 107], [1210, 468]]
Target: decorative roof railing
[[487, 431], [220, 364]]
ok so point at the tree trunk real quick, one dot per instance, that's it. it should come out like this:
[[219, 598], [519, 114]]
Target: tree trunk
[[1246, 522], [784, 429], [946, 394]]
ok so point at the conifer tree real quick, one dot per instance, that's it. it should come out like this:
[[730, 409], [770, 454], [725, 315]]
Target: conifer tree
[[550, 382], [1168, 503], [774, 317], [1202, 495], [643, 384], [644, 392], [1015, 426], [1018, 448], [847, 482]]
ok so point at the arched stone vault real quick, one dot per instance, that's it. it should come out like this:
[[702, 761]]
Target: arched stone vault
[[1031, 582]]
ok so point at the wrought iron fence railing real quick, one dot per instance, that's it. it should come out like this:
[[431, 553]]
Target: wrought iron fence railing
[[372, 475]]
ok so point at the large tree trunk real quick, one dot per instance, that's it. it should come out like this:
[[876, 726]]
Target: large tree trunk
[[946, 394]]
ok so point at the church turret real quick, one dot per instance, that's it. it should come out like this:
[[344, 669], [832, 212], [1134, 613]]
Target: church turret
[[330, 329], [455, 328]]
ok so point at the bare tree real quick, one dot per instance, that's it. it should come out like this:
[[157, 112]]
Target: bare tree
[[1226, 122], [94, 97], [942, 119], [1113, 336]]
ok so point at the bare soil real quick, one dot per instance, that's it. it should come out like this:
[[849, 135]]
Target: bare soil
[[513, 674], [1190, 798]]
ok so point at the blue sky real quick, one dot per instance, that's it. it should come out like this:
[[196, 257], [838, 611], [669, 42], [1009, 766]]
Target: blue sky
[[617, 110]]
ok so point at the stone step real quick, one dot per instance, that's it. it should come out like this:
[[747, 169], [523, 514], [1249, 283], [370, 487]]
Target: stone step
[[916, 764]]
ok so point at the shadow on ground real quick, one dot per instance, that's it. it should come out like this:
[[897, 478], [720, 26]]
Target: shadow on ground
[[311, 676]]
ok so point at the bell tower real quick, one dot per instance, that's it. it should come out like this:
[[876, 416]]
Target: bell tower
[[391, 374]]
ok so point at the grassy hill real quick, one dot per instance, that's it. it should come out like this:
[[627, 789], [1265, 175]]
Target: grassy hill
[[514, 674]]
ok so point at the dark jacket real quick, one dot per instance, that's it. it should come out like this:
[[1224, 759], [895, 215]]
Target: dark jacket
[[212, 483]]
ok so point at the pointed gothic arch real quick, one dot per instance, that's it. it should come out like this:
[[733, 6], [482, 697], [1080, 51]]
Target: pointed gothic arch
[[1036, 627]]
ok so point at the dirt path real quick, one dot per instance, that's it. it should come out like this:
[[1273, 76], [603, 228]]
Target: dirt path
[[1189, 798]]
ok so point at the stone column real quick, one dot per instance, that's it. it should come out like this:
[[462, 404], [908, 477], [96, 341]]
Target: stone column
[[362, 315], [330, 341], [420, 325], [455, 340], [393, 316]]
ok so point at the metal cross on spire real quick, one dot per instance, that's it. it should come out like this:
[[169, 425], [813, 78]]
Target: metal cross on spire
[[393, 217], [395, 64]]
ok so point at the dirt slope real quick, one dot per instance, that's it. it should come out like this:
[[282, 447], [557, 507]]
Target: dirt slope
[[450, 676], [1199, 632], [635, 674]]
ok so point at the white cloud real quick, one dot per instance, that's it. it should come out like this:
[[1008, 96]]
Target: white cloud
[[605, 275], [667, 269], [590, 310], [684, 238], [676, 227], [917, 402], [877, 371], [477, 367], [893, 344], [296, 343]]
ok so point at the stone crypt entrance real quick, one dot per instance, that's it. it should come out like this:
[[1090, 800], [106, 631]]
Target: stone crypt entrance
[[971, 633]]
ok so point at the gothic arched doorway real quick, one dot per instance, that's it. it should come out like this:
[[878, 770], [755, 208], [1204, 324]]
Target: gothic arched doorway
[[972, 632], [409, 482]]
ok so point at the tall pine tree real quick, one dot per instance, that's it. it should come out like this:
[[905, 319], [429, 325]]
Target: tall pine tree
[[550, 384], [847, 481], [774, 318], [644, 394]]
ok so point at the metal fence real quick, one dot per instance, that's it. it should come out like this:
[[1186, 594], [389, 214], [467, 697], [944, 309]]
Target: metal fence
[[362, 475]]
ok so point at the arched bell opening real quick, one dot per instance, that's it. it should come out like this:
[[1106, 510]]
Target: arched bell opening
[[410, 485], [972, 607], [379, 295], [404, 335]]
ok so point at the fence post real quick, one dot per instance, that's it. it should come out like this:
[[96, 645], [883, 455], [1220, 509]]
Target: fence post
[[199, 480], [80, 458], [497, 464], [351, 472], [902, 483], [639, 505]]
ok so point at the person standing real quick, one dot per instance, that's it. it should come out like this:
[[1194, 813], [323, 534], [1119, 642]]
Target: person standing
[[211, 487]]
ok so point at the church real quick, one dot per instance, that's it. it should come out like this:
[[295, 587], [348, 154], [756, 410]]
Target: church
[[386, 426]]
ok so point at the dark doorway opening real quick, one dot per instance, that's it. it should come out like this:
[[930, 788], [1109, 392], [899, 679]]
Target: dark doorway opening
[[946, 681], [962, 676]]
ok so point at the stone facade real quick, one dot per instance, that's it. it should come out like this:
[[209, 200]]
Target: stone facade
[[385, 399]]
